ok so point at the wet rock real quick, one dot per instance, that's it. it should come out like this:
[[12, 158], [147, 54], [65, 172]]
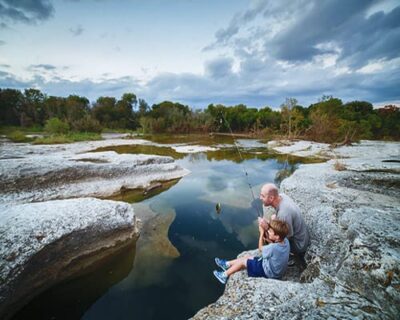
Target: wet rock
[[44, 243], [354, 257]]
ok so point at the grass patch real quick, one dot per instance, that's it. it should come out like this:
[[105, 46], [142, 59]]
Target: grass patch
[[200, 139], [68, 138], [109, 130], [8, 129], [143, 149], [18, 136]]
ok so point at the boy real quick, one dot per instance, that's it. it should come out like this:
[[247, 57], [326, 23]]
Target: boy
[[273, 262]]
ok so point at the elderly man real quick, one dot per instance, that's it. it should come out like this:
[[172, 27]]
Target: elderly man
[[288, 211]]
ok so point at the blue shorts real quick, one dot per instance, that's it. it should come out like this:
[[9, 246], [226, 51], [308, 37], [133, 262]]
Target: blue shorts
[[255, 268]]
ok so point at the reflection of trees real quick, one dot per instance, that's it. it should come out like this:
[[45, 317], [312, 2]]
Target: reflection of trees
[[81, 292], [196, 157], [286, 171], [140, 194]]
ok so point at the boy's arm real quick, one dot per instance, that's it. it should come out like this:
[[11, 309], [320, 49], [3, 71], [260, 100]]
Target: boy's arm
[[261, 238]]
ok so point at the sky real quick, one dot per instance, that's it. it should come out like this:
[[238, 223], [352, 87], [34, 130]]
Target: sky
[[198, 52]]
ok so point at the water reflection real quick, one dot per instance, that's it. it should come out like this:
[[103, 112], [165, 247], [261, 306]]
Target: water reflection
[[172, 273]]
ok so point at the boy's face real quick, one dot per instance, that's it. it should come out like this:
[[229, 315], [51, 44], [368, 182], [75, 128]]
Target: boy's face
[[272, 236]]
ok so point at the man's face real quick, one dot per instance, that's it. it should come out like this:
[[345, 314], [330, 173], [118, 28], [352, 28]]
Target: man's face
[[265, 198]]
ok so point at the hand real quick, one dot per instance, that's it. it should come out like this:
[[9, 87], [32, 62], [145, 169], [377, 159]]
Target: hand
[[263, 223]]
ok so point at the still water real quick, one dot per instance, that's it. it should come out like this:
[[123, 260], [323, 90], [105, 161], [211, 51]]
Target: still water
[[167, 274]]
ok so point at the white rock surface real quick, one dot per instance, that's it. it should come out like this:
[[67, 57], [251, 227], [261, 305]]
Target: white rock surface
[[193, 149], [38, 173]]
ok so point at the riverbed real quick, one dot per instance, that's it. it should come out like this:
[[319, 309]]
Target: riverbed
[[168, 272]]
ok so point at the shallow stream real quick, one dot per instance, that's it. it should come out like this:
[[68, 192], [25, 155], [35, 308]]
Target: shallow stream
[[167, 274]]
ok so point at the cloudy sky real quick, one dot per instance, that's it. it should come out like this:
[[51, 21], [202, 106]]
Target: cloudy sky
[[204, 51]]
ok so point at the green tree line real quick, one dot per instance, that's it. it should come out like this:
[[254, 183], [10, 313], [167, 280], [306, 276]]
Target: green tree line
[[328, 120]]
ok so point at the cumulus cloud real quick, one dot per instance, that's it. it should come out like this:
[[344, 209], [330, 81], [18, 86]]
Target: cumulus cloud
[[26, 11], [76, 31], [219, 68], [42, 67]]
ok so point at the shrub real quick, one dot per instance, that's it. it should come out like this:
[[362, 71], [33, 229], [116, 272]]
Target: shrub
[[18, 136], [55, 125], [87, 124]]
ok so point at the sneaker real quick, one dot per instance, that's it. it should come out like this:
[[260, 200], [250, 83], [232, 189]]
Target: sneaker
[[223, 264], [220, 275]]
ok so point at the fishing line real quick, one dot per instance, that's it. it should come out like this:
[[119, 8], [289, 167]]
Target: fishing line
[[242, 163]]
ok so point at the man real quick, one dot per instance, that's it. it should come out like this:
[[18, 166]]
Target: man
[[288, 211]]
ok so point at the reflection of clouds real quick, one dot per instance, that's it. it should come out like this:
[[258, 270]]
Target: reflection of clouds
[[201, 245], [247, 234], [216, 183], [242, 223]]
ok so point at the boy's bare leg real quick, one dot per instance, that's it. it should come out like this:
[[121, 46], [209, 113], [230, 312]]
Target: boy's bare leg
[[237, 265]]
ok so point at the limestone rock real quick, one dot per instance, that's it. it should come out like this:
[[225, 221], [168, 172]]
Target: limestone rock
[[44, 243], [32, 174]]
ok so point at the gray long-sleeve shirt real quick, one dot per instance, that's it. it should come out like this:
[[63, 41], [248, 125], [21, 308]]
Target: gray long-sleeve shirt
[[298, 233]]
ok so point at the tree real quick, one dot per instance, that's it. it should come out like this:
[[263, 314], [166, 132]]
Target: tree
[[104, 111], [33, 108], [144, 108], [287, 114], [11, 103], [76, 108]]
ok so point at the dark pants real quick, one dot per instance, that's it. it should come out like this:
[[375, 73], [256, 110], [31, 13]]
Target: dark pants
[[299, 256]]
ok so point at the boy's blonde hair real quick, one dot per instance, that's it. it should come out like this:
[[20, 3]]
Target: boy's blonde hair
[[280, 228]]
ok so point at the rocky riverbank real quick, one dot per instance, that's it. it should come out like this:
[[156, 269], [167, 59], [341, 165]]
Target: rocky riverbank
[[51, 226], [44, 243], [351, 205], [32, 173]]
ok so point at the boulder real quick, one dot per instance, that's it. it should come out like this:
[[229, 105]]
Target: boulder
[[44, 243]]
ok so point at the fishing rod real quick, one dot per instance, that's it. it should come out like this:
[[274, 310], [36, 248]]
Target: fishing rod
[[259, 214]]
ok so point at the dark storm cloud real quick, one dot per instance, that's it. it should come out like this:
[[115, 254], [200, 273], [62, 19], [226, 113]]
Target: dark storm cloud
[[27, 11], [344, 24], [311, 28]]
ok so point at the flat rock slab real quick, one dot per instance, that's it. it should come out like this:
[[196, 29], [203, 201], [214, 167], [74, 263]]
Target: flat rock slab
[[44, 243], [31, 173]]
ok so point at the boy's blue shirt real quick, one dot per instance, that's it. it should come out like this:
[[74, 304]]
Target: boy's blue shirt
[[275, 259]]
